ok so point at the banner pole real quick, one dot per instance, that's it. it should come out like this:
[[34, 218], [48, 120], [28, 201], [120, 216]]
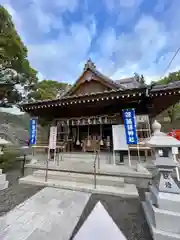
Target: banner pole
[[129, 156]]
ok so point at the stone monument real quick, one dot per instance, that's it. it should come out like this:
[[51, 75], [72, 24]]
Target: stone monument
[[162, 203]]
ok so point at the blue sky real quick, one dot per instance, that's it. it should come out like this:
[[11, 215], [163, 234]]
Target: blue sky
[[120, 36]]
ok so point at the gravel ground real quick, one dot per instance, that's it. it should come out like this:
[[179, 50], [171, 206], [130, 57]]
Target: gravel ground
[[16, 193]]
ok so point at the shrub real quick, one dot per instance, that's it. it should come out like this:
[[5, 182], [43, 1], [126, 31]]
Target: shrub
[[10, 158]]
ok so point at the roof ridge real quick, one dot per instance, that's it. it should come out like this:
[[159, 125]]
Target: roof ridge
[[103, 76]]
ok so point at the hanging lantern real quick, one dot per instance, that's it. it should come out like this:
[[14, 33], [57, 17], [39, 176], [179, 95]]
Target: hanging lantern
[[67, 122], [83, 122], [105, 120], [94, 122], [108, 141], [78, 142], [72, 122], [101, 141], [100, 119], [88, 141], [89, 121]]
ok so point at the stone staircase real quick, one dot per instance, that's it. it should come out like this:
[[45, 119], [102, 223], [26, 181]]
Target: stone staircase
[[111, 185], [3, 182], [106, 158]]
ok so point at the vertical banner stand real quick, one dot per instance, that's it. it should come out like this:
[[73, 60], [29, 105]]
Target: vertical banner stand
[[52, 142], [129, 118], [33, 135]]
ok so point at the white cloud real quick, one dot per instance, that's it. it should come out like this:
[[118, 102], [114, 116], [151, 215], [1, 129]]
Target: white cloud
[[135, 51], [59, 58]]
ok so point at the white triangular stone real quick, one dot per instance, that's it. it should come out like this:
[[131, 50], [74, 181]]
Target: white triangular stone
[[99, 225]]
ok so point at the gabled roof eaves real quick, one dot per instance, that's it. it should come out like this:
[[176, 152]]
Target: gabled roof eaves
[[109, 80], [172, 85], [128, 82], [100, 75], [98, 94]]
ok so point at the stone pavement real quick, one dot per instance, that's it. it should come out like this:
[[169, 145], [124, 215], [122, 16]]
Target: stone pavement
[[50, 214]]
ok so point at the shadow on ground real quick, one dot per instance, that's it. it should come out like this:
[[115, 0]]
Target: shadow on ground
[[126, 213]]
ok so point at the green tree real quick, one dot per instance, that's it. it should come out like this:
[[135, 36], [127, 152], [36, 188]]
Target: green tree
[[48, 89], [174, 111], [14, 65], [172, 77]]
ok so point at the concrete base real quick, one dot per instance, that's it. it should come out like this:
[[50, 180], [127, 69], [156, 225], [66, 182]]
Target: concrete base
[[83, 178], [3, 183], [141, 176], [156, 233], [82, 182], [162, 211], [165, 201]]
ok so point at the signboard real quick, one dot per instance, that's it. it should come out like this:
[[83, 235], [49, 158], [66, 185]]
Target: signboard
[[52, 137], [130, 126], [142, 118], [119, 138], [33, 129]]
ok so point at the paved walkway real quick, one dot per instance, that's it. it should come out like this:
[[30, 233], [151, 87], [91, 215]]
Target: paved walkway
[[49, 214], [126, 213]]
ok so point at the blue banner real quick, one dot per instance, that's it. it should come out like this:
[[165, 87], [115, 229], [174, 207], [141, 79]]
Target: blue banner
[[33, 127], [129, 118]]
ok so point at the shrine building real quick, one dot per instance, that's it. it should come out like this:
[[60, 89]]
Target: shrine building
[[84, 115]]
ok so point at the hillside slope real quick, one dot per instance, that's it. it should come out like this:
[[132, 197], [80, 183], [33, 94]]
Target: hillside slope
[[14, 128]]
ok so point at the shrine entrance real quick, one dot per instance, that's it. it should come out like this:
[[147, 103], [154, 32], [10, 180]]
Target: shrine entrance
[[86, 134]]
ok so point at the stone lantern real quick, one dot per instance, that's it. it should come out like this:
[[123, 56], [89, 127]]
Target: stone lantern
[[164, 147], [3, 182], [162, 202]]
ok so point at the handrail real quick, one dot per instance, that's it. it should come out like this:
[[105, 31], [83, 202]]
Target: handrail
[[46, 174], [95, 166]]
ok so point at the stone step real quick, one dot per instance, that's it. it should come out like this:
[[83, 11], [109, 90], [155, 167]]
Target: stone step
[[80, 177], [4, 185], [87, 155], [129, 190], [2, 178], [84, 157]]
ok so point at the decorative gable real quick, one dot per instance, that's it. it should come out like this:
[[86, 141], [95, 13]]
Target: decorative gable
[[91, 81]]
